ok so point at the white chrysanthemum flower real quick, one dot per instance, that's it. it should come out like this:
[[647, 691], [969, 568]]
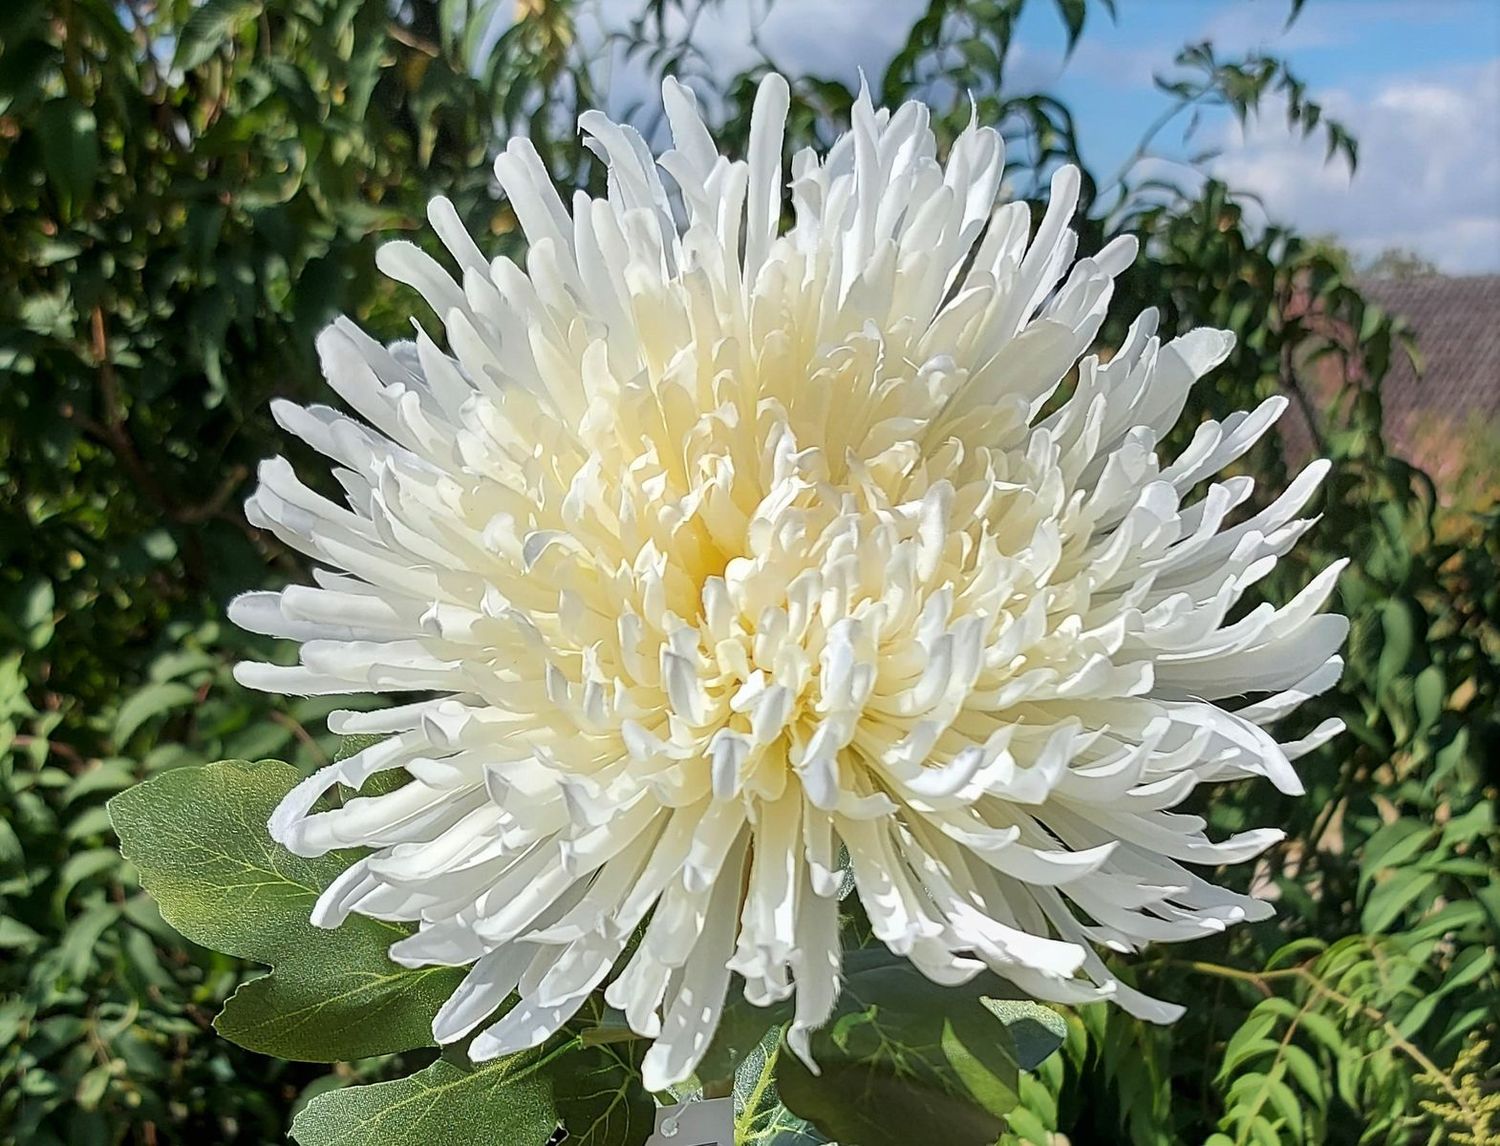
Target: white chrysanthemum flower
[[717, 550]]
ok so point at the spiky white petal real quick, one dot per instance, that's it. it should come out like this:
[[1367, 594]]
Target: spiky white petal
[[723, 551]]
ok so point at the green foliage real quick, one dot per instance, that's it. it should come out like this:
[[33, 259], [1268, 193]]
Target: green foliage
[[105, 1024], [172, 238], [188, 191], [1337, 1035], [761, 1116], [1468, 1100], [898, 1045]]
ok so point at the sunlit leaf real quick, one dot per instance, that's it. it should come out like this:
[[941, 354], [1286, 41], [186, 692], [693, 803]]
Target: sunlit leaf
[[198, 837]]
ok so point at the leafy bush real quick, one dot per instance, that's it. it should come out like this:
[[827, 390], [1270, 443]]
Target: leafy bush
[[187, 193]]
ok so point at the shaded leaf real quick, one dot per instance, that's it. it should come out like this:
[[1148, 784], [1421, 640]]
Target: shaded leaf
[[69, 137], [209, 27], [153, 700], [901, 1051]]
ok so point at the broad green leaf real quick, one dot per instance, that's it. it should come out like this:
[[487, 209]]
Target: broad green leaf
[[509, 1101], [901, 1051], [741, 1037], [747, 1045], [598, 1092], [519, 1100], [198, 837], [352, 745]]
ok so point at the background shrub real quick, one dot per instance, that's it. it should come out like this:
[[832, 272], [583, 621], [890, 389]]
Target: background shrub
[[189, 191]]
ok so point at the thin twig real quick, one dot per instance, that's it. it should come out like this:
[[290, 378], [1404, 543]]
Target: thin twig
[[412, 40], [214, 506], [292, 724], [114, 430], [66, 751]]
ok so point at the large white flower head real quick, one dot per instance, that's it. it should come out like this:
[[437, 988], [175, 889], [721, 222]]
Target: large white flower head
[[718, 551]]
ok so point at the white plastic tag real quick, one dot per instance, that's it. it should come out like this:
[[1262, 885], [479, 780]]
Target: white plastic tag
[[707, 1122]]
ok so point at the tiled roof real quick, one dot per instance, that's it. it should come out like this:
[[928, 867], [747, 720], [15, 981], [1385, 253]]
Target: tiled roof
[[1438, 420], [1457, 323]]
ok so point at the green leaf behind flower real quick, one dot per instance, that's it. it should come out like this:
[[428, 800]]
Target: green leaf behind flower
[[1035, 1031], [901, 1052]]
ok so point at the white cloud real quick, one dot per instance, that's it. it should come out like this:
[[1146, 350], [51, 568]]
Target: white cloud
[[830, 39], [1262, 24], [1248, 27], [835, 38], [1428, 176], [1118, 57]]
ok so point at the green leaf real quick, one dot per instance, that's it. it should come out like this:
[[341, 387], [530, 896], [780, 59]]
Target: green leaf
[[1036, 1031], [69, 139], [1391, 846], [26, 612], [1430, 692], [153, 700], [16, 936], [91, 1088], [1399, 631], [1073, 12], [760, 1115], [901, 1051], [209, 27], [80, 867], [599, 1094], [1248, 1042], [508, 1101], [741, 1037], [594, 1092], [198, 837], [1394, 896]]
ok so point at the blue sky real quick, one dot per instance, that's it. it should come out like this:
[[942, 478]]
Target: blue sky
[[1417, 81], [1354, 46]]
